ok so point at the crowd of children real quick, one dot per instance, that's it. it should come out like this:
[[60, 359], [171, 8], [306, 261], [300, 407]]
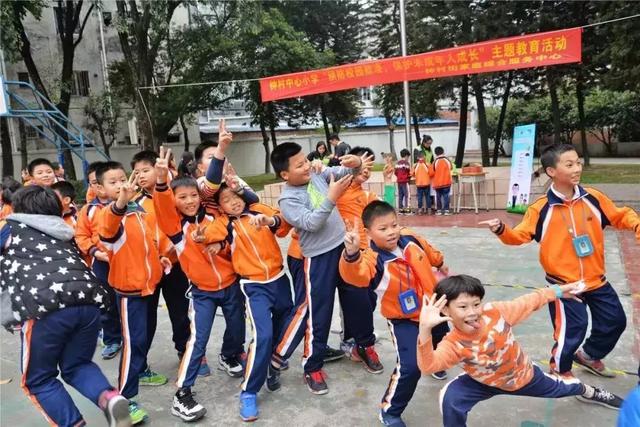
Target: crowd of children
[[203, 239]]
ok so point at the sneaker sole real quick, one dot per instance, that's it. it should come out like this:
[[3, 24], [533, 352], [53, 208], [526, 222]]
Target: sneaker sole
[[372, 371], [593, 402], [204, 374], [439, 378], [143, 420], [187, 418], [593, 370], [382, 420], [273, 390], [248, 419], [143, 384], [119, 414], [333, 358], [231, 374], [110, 356], [318, 392]]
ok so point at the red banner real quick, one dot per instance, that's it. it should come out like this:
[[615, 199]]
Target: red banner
[[528, 51]]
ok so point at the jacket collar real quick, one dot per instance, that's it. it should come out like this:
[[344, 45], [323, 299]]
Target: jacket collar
[[557, 198]]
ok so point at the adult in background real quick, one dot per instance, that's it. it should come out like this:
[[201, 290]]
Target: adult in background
[[321, 153], [425, 149], [340, 148]]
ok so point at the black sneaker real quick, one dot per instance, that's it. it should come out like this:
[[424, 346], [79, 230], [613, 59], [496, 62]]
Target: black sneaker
[[230, 365], [273, 379], [370, 359], [185, 406], [604, 398], [316, 382], [332, 354]]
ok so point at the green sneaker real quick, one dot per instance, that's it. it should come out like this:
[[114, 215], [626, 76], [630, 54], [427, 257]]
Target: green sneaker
[[137, 414], [150, 378]]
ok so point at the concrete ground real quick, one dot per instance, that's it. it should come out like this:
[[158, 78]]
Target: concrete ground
[[354, 394]]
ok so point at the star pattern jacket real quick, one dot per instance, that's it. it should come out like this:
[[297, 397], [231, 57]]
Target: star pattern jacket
[[42, 271]]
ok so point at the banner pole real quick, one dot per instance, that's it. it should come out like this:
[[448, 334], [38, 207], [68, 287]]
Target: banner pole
[[405, 84]]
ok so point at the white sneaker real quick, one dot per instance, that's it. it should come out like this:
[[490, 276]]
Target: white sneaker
[[185, 406]]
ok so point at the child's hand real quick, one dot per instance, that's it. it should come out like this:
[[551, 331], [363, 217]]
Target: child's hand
[[101, 256], [213, 249], [337, 188], [354, 162], [430, 312], [166, 264], [570, 290], [162, 165], [493, 224], [262, 220], [317, 166], [352, 237], [224, 139], [198, 234], [127, 191]]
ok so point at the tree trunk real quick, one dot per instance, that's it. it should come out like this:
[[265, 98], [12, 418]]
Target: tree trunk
[[482, 120], [392, 145], [416, 129], [7, 150], [325, 124], [462, 130], [265, 144], [185, 133], [503, 113], [583, 133], [105, 144], [24, 156], [555, 105]]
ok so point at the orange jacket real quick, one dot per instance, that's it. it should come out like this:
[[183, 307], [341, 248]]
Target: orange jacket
[[441, 174], [5, 211], [209, 273], [254, 251], [491, 356], [548, 220], [71, 219], [145, 200], [295, 251], [87, 237], [422, 173], [389, 275], [351, 204], [134, 260]]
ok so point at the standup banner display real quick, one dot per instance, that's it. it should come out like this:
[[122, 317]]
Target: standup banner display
[[527, 51], [524, 138]]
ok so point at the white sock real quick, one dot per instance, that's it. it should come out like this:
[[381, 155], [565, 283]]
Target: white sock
[[589, 391]]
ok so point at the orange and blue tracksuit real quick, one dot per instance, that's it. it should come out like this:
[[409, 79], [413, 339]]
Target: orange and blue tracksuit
[[173, 285], [556, 223], [210, 183], [88, 241], [256, 258], [392, 275], [441, 181], [134, 273], [422, 175], [214, 284], [493, 361]]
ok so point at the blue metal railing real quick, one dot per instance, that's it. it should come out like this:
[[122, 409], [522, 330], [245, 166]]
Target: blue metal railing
[[64, 133]]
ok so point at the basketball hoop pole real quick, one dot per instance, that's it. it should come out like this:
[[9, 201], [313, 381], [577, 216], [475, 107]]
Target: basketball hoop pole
[[405, 84]]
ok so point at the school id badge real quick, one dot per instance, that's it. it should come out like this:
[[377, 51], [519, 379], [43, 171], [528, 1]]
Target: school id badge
[[408, 301], [582, 245]]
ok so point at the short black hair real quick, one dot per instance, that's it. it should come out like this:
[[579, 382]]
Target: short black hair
[[93, 166], [223, 187], [199, 151], [439, 151], [148, 156], [55, 165], [35, 199], [426, 138], [453, 286], [374, 210], [38, 162], [361, 151], [106, 167], [187, 165], [65, 188], [281, 154], [334, 136], [184, 181], [550, 156], [9, 186], [404, 152]]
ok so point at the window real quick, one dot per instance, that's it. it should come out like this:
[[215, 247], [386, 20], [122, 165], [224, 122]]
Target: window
[[23, 77], [365, 94], [30, 132], [80, 83]]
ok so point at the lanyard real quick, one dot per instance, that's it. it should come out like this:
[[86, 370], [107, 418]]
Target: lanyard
[[573, 232]]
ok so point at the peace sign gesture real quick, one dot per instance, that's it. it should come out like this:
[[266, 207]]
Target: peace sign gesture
[[352, 236], [224, 137], [127, 191], [162, 165], [198, 234]]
